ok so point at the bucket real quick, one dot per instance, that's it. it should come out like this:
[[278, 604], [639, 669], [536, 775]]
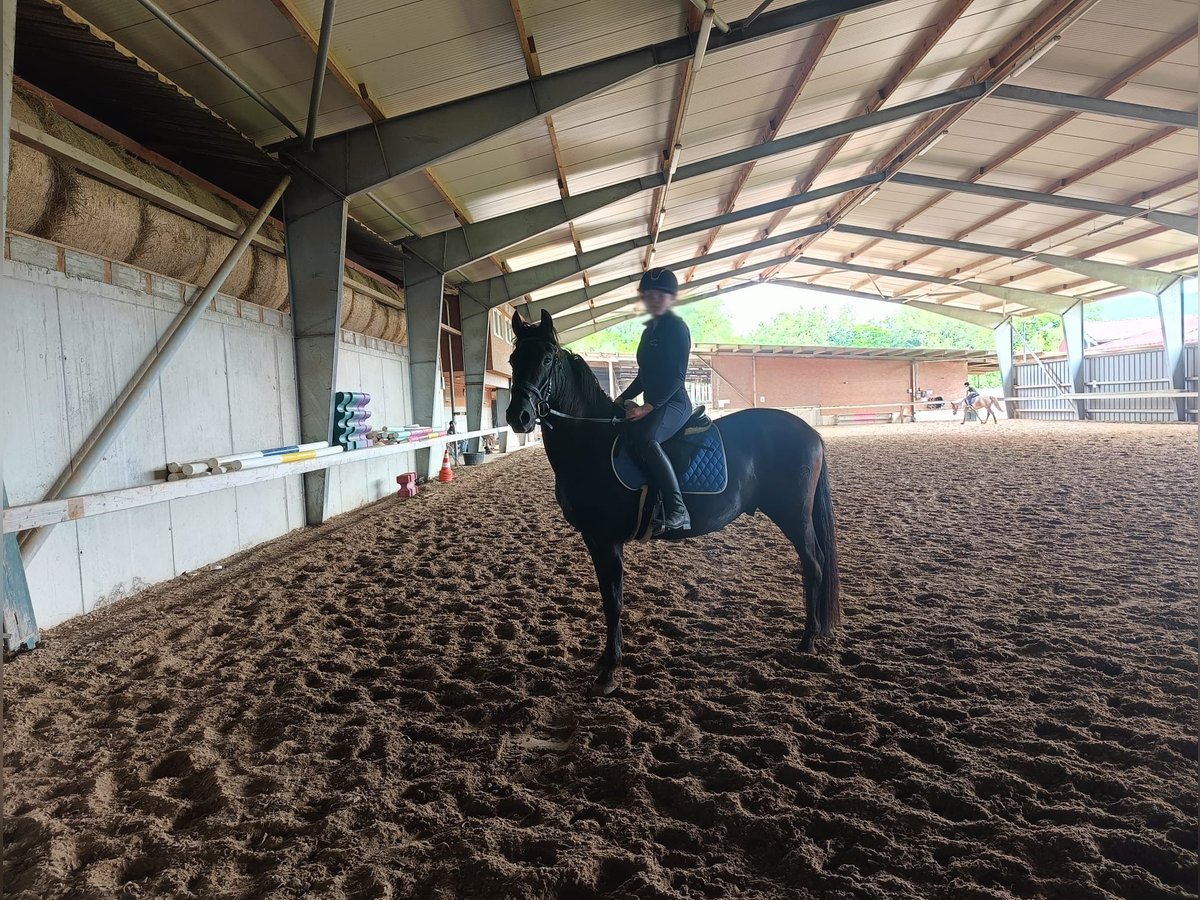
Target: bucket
[[474, 459]]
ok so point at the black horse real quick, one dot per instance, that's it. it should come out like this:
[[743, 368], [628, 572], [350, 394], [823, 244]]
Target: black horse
[[776, 463]]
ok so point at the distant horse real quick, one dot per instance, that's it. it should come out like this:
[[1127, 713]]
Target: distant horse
[[982, 402], [776, 463]]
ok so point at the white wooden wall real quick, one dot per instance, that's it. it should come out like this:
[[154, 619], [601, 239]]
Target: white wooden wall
[[384, 374], [69, 346]]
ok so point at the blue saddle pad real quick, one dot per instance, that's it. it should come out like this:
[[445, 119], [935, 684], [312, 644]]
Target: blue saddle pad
[[705, 472]]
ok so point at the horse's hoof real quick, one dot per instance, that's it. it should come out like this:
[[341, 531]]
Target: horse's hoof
[[603, 687], [808, 643]]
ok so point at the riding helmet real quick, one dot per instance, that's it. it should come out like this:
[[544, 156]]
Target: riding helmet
[[659, 280]]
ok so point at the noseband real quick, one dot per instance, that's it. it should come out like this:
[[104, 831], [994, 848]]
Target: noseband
[[539, 395]]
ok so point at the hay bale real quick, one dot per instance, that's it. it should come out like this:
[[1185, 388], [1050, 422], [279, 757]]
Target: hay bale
[[269, 283], [92, 216], [397, 327], [28, 108], [72, 134], [377, 324], [360, 311], [30, 187], [207, 200], [154, 175], [169, 244], [216, 249]]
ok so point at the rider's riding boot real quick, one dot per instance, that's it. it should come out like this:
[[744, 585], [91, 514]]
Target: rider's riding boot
[[658, 467]]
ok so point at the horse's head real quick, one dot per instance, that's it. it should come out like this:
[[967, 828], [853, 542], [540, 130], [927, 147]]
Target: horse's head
[[534, 360]]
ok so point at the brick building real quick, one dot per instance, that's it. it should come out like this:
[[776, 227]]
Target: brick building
[[835, 380]]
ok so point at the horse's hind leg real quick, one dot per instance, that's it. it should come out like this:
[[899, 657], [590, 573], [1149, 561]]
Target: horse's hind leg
[[796, 522]]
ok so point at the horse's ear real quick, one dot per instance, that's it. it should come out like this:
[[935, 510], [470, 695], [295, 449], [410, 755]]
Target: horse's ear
[[547, 323], [518, 323]]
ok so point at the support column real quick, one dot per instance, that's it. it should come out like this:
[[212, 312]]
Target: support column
[[19, 622], [476, 325], [503, 398], [315, 226], [1004, 356], [423, 305], [1171, 318], [1072, 321]]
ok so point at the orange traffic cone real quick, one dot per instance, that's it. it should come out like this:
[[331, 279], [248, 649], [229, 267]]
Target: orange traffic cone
[[447, 474]]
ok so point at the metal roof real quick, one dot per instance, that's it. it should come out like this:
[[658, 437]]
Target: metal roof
[[409, 55]]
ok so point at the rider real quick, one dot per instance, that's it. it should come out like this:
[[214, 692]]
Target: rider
[[662, 357], [969, 400]]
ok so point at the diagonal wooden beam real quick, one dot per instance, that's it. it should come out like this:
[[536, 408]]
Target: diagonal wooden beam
[[357, 89], [456, 207], [1112, 86], [1052, 19], [564, 189], [694, 17], [804, 70], [528, 47]]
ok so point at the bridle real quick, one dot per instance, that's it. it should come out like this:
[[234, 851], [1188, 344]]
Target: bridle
[[539, 397]]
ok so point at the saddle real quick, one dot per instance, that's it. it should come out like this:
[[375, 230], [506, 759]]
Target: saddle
[[697, 454]]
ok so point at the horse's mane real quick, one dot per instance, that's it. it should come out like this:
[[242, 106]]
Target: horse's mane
[[589, 394]]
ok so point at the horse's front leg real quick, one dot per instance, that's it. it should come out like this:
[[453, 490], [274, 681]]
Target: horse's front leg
[[609, 559]]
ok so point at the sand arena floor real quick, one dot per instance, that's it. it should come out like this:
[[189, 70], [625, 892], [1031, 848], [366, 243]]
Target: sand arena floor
[[393, 705]]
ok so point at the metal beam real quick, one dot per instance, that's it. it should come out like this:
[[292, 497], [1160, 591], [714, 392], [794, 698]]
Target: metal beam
[[357, 90], [507, 288], [362, 158], [1072, 323], [316, 259], [318, 84], [568, 299], [974, 316], [452, 249], [1112, 108], [1176, 221], [476, 328], [1039, 300], [809, 57], [1126, 276], [1004, 357], [1174, 328], [424, 296], [217, 63], [946, 17], [591, 327], [584, 315], [1053, 16], [1110, 87]]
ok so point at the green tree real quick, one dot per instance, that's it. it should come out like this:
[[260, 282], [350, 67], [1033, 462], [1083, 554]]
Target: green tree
[[803, 327], [708, 322], [621, 338]]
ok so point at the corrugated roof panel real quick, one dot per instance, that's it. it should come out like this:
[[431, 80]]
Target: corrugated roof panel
[[548, 245], [572, 34], [129, 23], [501, 171], [454, 82], [975, 36]]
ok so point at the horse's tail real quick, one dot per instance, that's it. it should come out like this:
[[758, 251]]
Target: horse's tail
[[829, 593]]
